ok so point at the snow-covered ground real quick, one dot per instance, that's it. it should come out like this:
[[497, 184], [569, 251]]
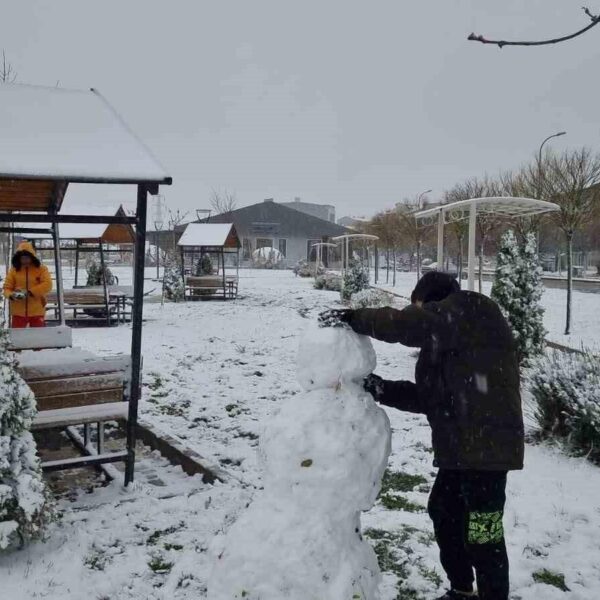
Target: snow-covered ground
[[585, 330], [214, 373]]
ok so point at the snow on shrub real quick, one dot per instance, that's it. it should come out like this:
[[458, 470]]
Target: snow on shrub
[[517, 289], [355, 279], [95, 277], [371, 298], [173, 286], [204, 266], [24, 505], [302, 269], [566, 392], [328, 281]]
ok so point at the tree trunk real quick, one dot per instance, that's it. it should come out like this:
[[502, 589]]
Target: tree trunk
[[387, 265], [569, 281], [394, 280], [418, 260]]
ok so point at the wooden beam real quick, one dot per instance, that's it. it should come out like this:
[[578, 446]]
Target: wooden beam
[[83, 461]]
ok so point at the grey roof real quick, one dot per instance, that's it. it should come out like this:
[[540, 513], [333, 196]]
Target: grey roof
[[273, 219]]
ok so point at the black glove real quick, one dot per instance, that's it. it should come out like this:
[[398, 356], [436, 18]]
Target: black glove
[[335, 317], [374, 385]]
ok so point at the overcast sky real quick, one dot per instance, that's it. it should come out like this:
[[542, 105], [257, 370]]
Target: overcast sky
[[352, 103]]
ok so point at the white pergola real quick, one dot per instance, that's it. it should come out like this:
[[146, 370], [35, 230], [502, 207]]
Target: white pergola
[[511, 208], [319, 249], [345, 239]]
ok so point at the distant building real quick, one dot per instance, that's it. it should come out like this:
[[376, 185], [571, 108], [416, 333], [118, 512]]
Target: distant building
[[321, 211], [274, 225], [352, 222]]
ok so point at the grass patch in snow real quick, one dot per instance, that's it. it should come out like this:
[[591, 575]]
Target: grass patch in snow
[[159, 565], [398, 481], [156, 535], [399, 502], [556, 580]]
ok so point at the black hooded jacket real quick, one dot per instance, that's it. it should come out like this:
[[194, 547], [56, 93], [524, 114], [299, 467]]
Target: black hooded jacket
[[467, 378]]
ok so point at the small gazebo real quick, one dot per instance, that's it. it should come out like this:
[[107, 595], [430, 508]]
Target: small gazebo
[[50, 139], [500, 206], [205, 241]]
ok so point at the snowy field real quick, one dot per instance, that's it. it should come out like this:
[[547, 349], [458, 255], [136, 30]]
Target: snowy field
[[214, 373], [586, 308]]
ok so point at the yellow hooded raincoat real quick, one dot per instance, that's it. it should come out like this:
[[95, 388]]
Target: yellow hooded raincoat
[[35, 280]]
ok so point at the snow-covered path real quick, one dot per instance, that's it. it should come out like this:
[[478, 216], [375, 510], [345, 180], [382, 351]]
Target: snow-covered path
[[213, 373]]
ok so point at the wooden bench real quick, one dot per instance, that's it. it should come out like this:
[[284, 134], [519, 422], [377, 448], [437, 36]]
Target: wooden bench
[[73, 387], [86, 300], [197, 287]]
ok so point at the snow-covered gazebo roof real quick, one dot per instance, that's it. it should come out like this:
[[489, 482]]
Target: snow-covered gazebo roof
[[501, 206], [210, 235]]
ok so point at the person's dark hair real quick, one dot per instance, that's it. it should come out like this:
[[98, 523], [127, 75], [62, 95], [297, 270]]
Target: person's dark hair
[[16, 259], [434, 287]]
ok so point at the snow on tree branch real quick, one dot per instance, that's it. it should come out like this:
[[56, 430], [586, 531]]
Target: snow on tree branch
[[501, 43]]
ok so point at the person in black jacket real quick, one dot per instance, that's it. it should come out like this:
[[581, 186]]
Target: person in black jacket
[[468, 385]]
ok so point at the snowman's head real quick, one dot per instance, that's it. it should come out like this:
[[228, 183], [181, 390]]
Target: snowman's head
[[330, 356]]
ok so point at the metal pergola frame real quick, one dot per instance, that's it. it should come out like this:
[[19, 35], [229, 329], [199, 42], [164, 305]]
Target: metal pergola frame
[[508, 207], [319, 246], [345, 239]]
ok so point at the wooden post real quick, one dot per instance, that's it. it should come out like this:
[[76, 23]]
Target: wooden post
[[76, 261], [136, 329], [224, 278], [59, 279]]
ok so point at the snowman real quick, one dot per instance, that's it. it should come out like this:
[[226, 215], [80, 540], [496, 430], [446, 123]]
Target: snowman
[[324, 456]]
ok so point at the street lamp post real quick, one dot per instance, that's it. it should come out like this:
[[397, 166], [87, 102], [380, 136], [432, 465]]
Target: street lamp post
[[420, 198], [541, 177]]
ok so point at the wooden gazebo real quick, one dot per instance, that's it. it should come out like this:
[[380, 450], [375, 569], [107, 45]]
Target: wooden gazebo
[[50, 139], [105, 303], [209, 239]]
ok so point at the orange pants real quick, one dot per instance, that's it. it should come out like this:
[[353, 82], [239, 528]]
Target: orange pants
[[20, 322]]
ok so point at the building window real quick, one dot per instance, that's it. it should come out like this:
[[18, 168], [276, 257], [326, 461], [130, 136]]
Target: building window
[[264, 243], [311, 253], [283, 248]]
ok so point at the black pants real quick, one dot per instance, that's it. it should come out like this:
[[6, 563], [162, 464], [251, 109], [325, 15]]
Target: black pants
[[466, 508]]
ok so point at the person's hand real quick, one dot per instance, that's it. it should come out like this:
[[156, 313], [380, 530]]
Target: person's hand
[[18, 295], [373, 384], [335, 317]]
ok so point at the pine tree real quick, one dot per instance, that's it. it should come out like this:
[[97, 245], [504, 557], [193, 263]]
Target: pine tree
[[517, 289], [204, 266], [356, 279], [173, 285], [24, 505]]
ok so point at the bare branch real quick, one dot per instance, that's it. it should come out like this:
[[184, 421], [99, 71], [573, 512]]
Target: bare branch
[[501, 43], [7, 73], [223, 201]]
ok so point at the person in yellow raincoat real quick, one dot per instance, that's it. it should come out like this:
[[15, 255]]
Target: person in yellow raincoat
[[27, 285]]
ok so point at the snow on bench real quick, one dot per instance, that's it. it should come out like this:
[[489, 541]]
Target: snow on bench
[[80, 415], [73, 386], [37, 338]]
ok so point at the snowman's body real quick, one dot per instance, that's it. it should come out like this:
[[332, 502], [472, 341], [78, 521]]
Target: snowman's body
[[324, 454]]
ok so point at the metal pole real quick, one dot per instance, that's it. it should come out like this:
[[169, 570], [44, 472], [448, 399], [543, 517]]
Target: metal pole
[[472, 240], [136, 329], [440, 242], [76, 261], [104, 283], [59, 279]]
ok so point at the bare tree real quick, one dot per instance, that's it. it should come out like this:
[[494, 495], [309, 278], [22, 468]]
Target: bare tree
[[573, 182], [384, 226], [176, 218], [410, 229], [7, 72], [501, 43], [223, 201]]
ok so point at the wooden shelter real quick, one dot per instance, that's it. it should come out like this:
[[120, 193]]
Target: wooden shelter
[[212, 240], [106, 303], [49, 139]]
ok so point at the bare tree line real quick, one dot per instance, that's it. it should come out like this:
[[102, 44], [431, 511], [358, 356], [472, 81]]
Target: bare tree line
[[570, 179]]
